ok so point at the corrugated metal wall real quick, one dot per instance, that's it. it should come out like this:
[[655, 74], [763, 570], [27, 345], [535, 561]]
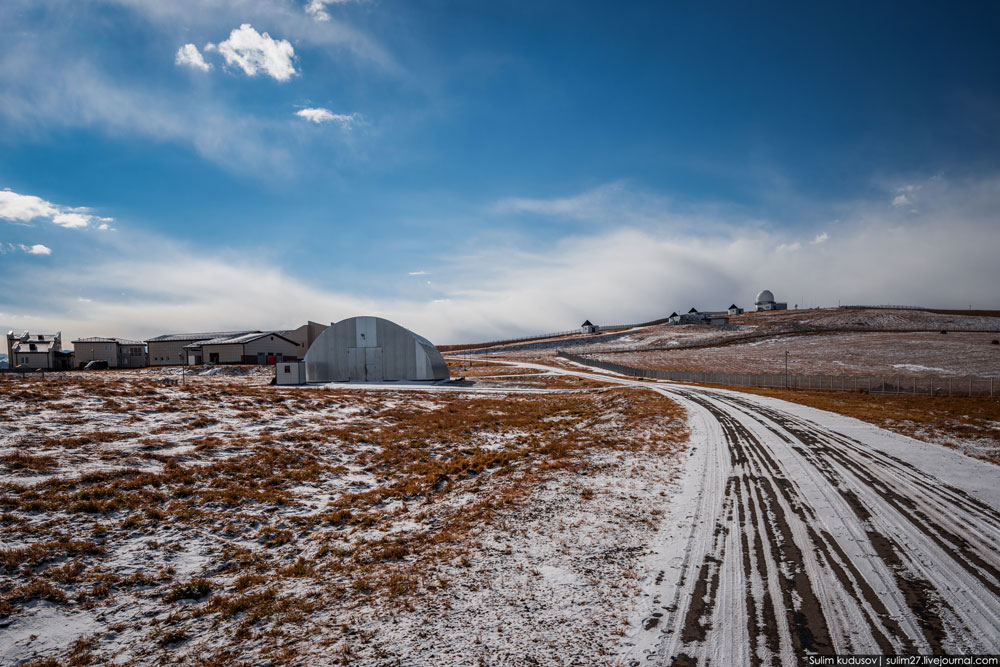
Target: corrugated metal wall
[[372, 349]]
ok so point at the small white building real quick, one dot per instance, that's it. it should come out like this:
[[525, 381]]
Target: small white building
[[262, 348], [735, 310], [291, 372], [589, 327], [119, 353], [765, 301]]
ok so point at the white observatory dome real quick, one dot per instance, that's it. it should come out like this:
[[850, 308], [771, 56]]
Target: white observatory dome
[[765, 297]]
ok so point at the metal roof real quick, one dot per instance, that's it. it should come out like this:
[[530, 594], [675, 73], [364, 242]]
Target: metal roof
[[238, 340], [99, 339], [177, 338]]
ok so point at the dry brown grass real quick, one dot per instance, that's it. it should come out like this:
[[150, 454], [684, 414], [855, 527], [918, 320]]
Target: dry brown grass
[[447, 465], [944, 419]]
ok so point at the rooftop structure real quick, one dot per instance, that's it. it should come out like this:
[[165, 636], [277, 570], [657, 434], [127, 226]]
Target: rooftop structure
[[41, 351]]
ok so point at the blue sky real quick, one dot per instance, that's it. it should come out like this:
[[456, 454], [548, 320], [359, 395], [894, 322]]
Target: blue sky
[[477, 170]]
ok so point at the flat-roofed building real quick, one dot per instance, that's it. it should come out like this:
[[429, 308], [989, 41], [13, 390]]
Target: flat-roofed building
[[118, 352]]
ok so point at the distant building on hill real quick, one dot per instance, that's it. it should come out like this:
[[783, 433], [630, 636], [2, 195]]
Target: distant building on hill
[[589, 327], [41, 351], [765, 301], [117, 352], [695, 316], [735, 310]]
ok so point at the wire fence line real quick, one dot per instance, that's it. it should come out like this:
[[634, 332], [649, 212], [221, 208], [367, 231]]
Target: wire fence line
[[968, 385]]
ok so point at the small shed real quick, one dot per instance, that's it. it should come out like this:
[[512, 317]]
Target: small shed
[[735, 310], [589, 327], [290, 372]]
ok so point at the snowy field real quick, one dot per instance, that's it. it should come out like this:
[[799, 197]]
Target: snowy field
[[228, 520]]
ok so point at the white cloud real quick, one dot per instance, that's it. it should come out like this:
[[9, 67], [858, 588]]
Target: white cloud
[[254, 52], [37, 249], [24, 208], [901, 200], [418, 273], [189, 56], [72, 220], [517, 288], [317, 8], [822, 237], [319, 116]]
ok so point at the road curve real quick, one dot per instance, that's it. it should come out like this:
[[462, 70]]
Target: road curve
[[796, 531]]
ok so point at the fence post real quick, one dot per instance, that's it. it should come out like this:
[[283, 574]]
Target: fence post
[[914, 386], [970, 385], [949, 386]]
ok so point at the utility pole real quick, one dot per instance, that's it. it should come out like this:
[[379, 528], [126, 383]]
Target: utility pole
[[183, 366]]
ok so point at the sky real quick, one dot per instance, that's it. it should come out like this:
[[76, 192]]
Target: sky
[[484, 170]]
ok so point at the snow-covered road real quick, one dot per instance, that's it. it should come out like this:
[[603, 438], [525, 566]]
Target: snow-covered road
[[797, 531]]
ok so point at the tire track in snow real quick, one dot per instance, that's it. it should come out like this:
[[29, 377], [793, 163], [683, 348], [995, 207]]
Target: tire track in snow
[[842, 548]]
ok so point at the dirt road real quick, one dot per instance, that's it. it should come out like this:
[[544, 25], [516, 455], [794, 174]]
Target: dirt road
[[797, 531]]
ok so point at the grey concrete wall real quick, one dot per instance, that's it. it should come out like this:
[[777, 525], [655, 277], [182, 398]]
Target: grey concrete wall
[[166, 353], [86, 352]]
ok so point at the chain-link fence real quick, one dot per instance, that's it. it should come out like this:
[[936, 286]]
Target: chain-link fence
[[926, 385]]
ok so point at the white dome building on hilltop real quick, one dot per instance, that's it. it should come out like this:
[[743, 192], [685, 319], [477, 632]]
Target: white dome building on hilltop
[[765, 301]]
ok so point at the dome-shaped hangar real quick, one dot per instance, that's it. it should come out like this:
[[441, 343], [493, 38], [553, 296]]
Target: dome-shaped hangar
[[372, 349], [764, 297]]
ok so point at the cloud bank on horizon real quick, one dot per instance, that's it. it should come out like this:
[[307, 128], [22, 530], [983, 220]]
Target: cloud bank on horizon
[[268, 162]]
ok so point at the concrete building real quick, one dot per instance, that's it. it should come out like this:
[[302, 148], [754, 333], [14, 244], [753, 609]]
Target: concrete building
[[264, 348], [372, 349], [589, 327], [168, 350], [41, 351], [735, 310], [117, 352], [305, 334], [765, 301]]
